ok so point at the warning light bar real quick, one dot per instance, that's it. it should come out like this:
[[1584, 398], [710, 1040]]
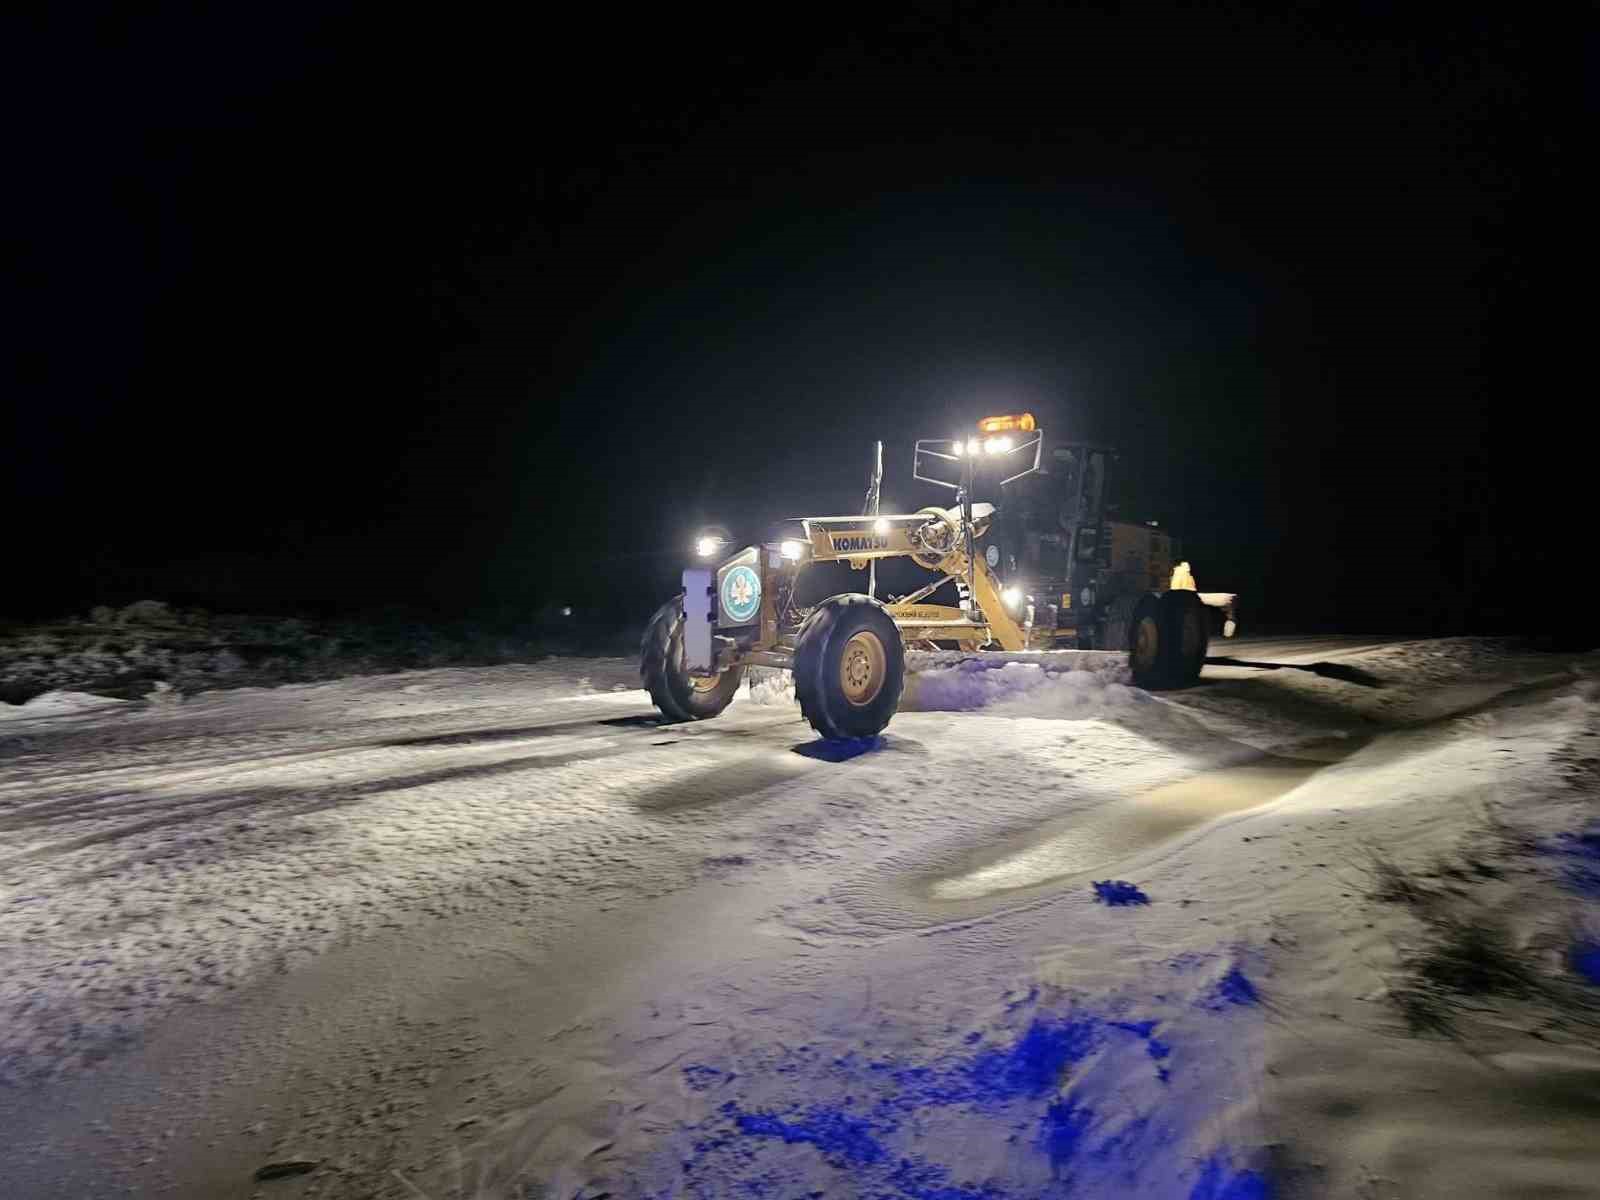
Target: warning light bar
[[1015, 423]]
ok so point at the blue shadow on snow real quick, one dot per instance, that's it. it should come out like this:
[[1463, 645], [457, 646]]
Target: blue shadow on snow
[[804, 1122]]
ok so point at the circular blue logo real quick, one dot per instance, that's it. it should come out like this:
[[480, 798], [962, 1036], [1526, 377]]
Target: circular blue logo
[[741, 594]]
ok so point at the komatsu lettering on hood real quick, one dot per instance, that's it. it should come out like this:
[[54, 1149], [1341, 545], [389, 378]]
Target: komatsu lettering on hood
[[858, 541]]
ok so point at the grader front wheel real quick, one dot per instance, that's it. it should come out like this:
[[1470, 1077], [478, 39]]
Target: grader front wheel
[[849, 667], [679, 695]]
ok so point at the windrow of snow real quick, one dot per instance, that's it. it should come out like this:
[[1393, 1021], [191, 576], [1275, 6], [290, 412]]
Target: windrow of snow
[[950, 684], [58, 704], [1020, 689]]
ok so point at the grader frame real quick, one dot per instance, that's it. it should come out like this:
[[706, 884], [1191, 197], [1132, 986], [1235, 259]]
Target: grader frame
[[849, 653]]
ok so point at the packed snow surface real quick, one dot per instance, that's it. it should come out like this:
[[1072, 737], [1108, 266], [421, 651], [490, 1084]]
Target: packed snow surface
[[499, 932]]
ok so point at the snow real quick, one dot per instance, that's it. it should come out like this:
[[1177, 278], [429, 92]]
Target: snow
[[1021, 689], [490, 929], [57, 704]]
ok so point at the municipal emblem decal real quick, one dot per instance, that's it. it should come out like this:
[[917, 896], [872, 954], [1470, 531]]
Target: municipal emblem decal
[[741, 594]]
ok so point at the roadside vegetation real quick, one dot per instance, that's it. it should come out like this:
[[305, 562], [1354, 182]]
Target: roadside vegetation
[[152, 650], [1476, 948]]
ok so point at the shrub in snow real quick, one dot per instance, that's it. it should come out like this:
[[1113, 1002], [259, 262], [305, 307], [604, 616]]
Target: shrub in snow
[[147, 612], [225, 662], [164, 695]]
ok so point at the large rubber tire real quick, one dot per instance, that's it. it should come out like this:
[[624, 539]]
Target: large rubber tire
[[1186, 632], [849, 667], [1147, 644], [1116, 629], [679, 695]]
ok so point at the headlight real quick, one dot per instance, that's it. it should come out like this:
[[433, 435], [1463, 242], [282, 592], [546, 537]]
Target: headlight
[[881, 526], [707, 545], [1012, 597], [996, 445], [792, 550]]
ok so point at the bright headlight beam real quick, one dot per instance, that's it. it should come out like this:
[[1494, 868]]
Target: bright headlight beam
[[792, 550], [880, 526], [1012, 597], [705, 547]]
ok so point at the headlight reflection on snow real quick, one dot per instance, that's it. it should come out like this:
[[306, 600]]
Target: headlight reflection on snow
[[1094, 841]]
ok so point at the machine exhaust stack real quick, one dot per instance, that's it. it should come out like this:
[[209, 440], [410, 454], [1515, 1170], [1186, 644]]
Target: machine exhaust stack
[[874, 499]]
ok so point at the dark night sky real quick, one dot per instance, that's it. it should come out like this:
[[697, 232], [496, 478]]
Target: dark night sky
[[323, 311]]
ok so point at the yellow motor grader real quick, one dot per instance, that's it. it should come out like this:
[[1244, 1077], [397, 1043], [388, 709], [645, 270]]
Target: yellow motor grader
[[850, 652]]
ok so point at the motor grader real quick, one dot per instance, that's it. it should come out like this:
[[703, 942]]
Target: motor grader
[[850, 653]]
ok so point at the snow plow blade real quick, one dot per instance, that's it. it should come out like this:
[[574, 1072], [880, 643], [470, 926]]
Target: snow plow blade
[[1106, 662], [958, 680]]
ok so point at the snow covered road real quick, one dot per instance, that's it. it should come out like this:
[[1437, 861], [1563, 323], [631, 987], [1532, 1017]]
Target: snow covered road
[[484, 932]]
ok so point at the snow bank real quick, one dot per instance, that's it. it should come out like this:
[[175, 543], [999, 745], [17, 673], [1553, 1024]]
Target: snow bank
[[795, 1006], [768, 686], [58, 704]]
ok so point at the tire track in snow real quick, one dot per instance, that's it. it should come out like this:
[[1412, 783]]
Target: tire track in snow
[[92, 801], [314, 799], [172, 753], [144, 887]]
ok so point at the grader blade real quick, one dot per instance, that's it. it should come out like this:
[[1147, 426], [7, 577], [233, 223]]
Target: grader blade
[[1052, 662]]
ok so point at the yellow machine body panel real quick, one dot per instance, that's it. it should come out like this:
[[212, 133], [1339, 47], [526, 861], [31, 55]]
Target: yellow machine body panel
[[1142, 551], [935, 540], [925, 614], [858, 540]]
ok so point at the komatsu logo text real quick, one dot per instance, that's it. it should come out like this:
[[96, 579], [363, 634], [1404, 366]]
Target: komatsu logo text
[[851, 543]]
